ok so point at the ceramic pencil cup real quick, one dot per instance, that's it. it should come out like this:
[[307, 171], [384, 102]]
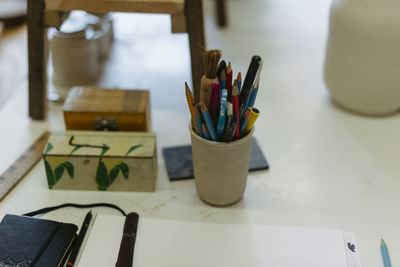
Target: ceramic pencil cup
[[220, 169], [362, 70]]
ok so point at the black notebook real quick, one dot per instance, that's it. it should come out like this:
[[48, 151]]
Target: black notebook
[[27, 241]]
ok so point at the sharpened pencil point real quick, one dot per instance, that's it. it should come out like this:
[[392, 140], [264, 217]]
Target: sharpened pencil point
[[383, 242], [203, 107]]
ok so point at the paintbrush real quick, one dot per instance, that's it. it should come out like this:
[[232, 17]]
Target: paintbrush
[[211, 59]]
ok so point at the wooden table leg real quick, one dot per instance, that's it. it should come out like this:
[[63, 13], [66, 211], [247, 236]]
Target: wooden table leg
[[36, 68], [221, 13], [195, 29]]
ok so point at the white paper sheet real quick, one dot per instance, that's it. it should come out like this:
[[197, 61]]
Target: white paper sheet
[[182, 244]]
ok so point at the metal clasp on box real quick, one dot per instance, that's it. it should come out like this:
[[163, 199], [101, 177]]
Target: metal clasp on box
[[105, 124]]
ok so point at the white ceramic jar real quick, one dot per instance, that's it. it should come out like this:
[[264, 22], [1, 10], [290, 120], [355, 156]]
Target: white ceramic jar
[[362, 64], [74, 55]]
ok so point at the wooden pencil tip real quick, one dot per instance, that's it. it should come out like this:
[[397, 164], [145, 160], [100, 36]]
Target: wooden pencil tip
[[383, 242], [223, 75], [204, 128], [203, 107], [239, 77], [235, 89], [187, 89]]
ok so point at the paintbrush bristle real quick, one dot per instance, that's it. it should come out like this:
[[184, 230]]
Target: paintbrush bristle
[[211, 59]]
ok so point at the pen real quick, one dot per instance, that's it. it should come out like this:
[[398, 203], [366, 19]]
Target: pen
[[385, 254], [78, 242], [254, 112], [190, 101], [231, 122], [248, 84], [207, 120]]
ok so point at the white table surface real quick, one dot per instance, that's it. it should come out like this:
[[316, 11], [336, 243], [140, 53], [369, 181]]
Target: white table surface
[[329, 168]]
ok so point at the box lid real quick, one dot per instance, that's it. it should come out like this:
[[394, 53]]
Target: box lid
[[92, 99], [107, 144]]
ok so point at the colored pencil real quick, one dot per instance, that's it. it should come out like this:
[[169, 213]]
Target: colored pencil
[[224, 93], [190, 101], [197, 118], [245, 121], [254, 112], [206, 135], [239, 81], [222, 81], [229, 81], [385, 254], [253, 95], [235, 104], [208, 121], [221, 66]]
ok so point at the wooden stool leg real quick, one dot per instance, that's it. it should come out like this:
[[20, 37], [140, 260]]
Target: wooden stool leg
[[221, 13], [37, 73], [195, 29]]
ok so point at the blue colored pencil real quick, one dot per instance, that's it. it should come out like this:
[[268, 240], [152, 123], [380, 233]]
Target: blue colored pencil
[[208, 121], [221, 119], [253, 94], [245, 121], [222, 81], [385, 254], [239, 81], [224, 93], [205, 132]]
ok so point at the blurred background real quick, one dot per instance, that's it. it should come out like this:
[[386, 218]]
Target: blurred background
[[146, 55]]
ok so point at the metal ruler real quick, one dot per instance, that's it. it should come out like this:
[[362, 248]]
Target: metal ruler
[[10, 178]]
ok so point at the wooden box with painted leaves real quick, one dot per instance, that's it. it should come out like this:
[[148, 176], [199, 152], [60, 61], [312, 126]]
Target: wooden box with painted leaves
[[113, 161]]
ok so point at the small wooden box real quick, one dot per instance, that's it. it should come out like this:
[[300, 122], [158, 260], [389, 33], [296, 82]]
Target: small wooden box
[[90, 108], [114, 161]]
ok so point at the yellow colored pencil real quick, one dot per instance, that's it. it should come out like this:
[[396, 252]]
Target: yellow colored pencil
[[190, 101], [252, 119]]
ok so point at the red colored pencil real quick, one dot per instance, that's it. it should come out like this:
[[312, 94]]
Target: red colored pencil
[[229, 81], [235, 103]]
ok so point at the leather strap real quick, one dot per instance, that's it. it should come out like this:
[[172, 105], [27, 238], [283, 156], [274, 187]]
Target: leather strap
[[125, 255]]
